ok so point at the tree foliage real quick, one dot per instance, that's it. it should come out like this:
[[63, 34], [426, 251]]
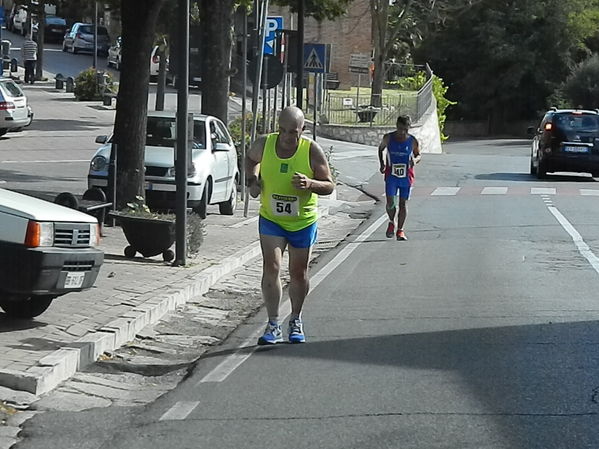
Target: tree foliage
[[503, 59], [581, 88]]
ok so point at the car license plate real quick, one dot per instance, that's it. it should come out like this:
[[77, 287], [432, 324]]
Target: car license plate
[[571, 149], [74, 280]]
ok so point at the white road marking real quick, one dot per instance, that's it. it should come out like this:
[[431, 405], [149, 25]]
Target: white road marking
[[179, 411], [494, 191], [445, 191], [589, 192], [53, 161], [542, 191], [582, 247], [232, 362], [244, 222]]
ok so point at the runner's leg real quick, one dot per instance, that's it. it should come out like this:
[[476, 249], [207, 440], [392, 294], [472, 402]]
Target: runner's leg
[[403, 213], [272, 253], [299, 284]]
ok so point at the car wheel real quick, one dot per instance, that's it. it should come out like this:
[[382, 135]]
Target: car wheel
[[541, 170], [3, 131], [25, 307], [228, 207], [203, 206], [533, 169]]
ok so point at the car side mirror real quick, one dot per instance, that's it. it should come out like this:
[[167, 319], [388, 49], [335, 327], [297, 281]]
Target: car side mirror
[[102, 139], [221, 147], [530, 131]]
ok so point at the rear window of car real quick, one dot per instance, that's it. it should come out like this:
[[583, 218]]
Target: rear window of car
[[577, 122], [52, 20], [11, 89], [162, 132], [88, 29]]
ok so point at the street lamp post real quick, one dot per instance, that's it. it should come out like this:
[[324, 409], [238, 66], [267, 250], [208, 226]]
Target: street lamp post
[[299, 96]]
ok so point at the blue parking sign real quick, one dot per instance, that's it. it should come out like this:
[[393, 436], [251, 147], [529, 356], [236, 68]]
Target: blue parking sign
[[273, 24]]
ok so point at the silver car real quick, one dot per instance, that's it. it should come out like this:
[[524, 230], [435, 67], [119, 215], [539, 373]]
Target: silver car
[[15, 113], [81, 38], [213, 174]]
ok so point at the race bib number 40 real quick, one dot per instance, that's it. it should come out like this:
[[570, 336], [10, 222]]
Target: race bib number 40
[[284, 206], [399, 170]]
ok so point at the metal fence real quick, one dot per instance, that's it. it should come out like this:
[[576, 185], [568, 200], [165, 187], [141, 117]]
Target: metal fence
[[346, 109]]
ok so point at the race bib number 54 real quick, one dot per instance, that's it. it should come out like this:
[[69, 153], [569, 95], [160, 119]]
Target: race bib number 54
[[284, 206], [399, 170]]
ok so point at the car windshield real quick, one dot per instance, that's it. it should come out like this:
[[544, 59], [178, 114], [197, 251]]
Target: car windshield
[[11, 89], [577, 122], [88, 29], [53, 20], [161, 132]]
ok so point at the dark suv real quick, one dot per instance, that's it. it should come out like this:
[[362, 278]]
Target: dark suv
[[566, 140]]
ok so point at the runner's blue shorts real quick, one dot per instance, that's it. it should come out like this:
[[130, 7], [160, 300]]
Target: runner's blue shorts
[[304, 238], [396, 186]]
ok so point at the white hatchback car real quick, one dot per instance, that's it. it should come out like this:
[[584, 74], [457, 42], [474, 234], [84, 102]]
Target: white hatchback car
[[213, 175], [15, 114]]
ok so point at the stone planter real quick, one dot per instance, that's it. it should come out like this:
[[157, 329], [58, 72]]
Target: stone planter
[[366, 114], [148, 236]]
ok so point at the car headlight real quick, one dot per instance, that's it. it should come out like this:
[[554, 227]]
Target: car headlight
[[39, 234], [191, 171], [98, 163]]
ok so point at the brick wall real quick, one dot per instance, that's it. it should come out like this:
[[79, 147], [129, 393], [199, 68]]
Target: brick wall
[[350, 33]]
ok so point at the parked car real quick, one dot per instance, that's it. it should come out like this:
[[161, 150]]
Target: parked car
[[46, 251], [213, 175], [15, 113], [566, 140], [54, 31], [80, 37], [114, 58]]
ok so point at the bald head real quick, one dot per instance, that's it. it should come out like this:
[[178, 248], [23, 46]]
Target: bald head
[[292, 116]]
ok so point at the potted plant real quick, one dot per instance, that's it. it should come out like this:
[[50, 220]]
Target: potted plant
[[151, 233], [366, 113]]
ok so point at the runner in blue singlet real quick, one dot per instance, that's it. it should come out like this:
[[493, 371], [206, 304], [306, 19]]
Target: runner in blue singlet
[[398, 167]]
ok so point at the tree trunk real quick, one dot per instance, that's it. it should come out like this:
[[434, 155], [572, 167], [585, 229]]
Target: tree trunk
[[138, 26], [216, 21], [41, 27], [380, 13]]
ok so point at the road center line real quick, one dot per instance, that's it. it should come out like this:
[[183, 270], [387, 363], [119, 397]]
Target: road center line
[[225, 368], [179, 411], [582, 247]]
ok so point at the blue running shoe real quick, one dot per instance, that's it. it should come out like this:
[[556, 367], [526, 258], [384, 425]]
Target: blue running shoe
[[272, 334], [296, 331]]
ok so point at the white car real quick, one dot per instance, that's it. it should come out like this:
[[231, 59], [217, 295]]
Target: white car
[[114, 59], [46, 250], [213, 176], [15, 113]]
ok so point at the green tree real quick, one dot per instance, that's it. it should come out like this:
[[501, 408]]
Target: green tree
[[582, 86]]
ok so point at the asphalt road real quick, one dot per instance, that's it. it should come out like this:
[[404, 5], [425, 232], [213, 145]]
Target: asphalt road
[[478, 332]]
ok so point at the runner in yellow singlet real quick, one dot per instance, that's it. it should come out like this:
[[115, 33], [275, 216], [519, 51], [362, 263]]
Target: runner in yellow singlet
[[288, 171]]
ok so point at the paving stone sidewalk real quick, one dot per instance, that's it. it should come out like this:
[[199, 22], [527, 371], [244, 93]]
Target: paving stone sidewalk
[[35, 356]]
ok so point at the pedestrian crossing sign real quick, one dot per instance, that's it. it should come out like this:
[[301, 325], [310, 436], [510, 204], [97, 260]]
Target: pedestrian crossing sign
[[314, 58]]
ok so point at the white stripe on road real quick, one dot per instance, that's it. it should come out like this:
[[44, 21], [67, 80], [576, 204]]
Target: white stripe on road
[[494, 191], [232, 362], [179, 411], [589, 192], [45, 162], [542, 191], [582, 247], [445, 191]]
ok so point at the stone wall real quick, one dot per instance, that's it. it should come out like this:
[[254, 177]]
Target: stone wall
[[480, 128], [426, 131]]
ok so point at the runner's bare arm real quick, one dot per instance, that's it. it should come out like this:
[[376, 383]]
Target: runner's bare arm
[[322, 183], [416, 151], [252, 165], [382, 147]]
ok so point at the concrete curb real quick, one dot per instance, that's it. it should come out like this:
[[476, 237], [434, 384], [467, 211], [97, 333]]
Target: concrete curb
[[65, 362]]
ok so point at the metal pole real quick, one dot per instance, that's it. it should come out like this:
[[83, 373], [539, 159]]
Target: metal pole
[[315, 105], [299, 96], [358, 95], [244, 72], [182, 129], [95, 63], [258, 79]]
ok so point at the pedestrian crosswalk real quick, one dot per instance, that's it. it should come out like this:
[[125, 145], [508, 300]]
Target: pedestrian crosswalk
[[441, 191]]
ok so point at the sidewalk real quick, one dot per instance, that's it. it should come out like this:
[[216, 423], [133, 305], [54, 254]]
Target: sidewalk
[[35, 356]]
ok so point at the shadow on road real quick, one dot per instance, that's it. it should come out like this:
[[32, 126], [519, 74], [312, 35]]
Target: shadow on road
[[62, 125], [8, 324], [526, 177]]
